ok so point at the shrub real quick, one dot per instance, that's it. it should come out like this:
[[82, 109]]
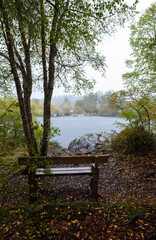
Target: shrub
[[11, 130], [38, 129], [134, 140]]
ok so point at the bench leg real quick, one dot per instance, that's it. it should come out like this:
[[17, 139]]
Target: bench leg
[[95, 181], [32, 188], [90, 187]]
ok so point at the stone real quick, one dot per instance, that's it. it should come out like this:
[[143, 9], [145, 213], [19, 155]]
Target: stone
[[93, 138], [101, 139], [92, 147], [84, 143], [87, 143]]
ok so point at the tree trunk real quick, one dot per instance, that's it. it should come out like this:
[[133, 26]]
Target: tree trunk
[[23, 96], [46, 124], [48, 82], [48, 90]]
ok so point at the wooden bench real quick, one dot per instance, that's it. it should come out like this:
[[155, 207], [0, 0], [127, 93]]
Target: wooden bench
[[41, 166]]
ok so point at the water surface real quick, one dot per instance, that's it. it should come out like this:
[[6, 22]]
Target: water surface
[[72, 127]]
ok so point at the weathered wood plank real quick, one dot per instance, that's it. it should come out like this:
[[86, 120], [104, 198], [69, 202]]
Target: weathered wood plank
[[32, 187], [63, 160], [95, 181], [102, 158]]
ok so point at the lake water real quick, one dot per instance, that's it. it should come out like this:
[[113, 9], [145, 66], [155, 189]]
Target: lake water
[[72, 127]]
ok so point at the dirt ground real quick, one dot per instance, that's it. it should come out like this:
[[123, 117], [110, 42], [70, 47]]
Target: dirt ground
[[124, 209]]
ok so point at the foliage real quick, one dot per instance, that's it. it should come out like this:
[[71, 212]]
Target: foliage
[[66, 109], [55, 144], [6, 81], [11, 130], [55, 110], [92, 104], [38, 129], [37, 107], [52, 42], [54, 131], [137, 103], [143, 57], [58, 101], [134, 140], [137, 107], [95, 104]]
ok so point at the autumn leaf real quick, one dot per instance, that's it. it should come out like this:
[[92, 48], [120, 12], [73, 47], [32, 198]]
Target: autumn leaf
[[75, 221], [57, 231], [52, 221]]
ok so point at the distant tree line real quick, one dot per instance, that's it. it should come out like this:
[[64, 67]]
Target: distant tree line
[[91, 104], [95, 104]]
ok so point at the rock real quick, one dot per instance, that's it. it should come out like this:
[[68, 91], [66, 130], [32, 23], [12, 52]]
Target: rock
[[83, 142], [93, 138], [101, 138], [87, 142], [92, 147], [73, 146]]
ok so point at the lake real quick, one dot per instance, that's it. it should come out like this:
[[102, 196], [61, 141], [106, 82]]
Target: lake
[[72, 127]]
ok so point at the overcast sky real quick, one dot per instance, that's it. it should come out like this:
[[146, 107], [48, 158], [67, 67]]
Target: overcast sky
[[116, 49]]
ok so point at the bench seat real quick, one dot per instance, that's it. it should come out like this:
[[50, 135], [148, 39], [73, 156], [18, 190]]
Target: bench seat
[[63, 171]]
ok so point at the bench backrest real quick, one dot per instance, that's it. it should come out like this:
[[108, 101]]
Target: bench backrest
[[74, 159]]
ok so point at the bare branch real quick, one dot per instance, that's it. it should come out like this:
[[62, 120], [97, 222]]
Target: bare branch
[[53, 5], [4, 55]]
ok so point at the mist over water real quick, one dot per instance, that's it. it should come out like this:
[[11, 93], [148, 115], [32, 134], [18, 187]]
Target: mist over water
[[72, 127]]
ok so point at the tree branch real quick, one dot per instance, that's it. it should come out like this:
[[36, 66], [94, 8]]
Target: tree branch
[[8, 109], [53, 5], [5, 56]]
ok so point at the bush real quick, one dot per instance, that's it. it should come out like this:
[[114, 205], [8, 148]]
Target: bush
[[11, 129], [38, 129], [134, 140]]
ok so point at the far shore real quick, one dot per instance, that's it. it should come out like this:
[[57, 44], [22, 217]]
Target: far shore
[[81, 115]]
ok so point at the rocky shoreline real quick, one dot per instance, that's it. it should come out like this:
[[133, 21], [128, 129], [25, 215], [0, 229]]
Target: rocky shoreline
[[86, 144], [89, 142]]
